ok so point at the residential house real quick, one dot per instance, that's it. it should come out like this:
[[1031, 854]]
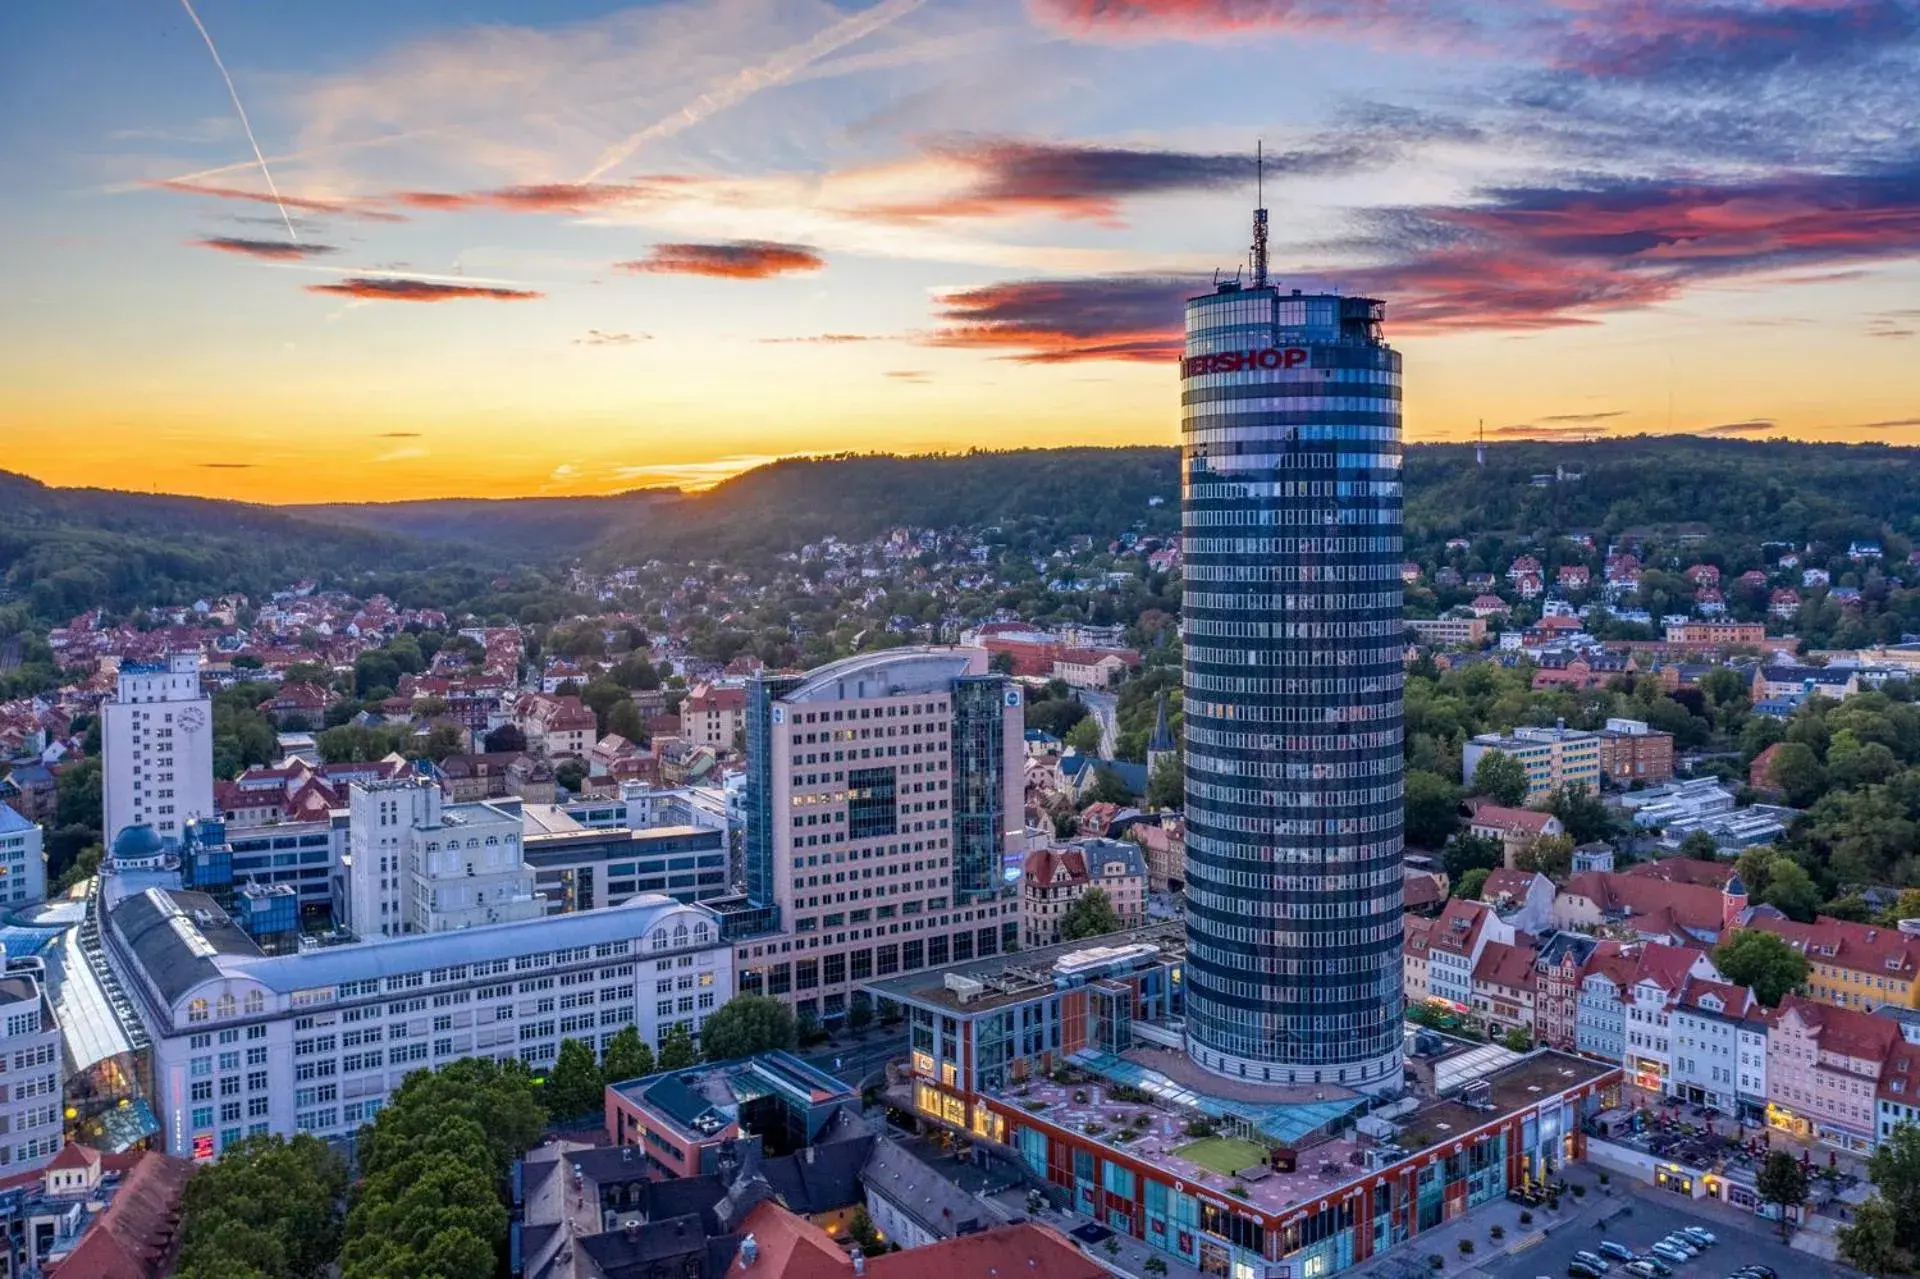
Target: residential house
[[1462, 931], [1648, 909], [1553, 757], [714, 715], [1856, 966], [557, 725], [1706, 1025], [1504, 987], [1760, 772], [1484, 606], [1600, 1017], [1824, 1066], [1556, 999], [1646, 1050], [1053, 879], [1515, 828], [1165, 846], [1522, 898], [1416, 939]]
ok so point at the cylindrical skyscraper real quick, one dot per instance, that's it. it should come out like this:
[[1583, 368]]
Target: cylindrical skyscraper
[[1290, 456]]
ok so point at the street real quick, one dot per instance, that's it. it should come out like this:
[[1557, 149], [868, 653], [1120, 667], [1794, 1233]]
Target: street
[[1104, 707], [852, 1058]]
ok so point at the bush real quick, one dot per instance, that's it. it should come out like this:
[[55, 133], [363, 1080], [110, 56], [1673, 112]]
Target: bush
[[1579, 1192], [1497, 1233], [1606, 1179], [1200, 1128], [1436, 1262], [1526, 1218], [1466, 1247]]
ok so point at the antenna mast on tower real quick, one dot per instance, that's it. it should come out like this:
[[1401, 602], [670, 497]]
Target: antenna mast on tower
[[1480, 449], [1259, 218]]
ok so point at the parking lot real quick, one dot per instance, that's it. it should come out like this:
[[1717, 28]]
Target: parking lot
[[1649, 1219]]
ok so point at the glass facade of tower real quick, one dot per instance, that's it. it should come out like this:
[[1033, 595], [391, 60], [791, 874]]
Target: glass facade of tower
[[1290, 434]]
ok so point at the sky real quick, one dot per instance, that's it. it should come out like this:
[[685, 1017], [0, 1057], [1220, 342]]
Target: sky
[[480, 248]]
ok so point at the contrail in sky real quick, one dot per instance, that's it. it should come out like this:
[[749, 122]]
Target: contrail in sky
[[242, 113], [778, 69]]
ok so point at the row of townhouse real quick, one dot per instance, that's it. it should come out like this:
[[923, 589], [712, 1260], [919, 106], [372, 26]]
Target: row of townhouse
[[1836, 1062]]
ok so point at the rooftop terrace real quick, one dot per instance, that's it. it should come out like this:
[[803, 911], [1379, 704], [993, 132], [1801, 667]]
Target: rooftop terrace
[[1157, 1132], [1002, 980]]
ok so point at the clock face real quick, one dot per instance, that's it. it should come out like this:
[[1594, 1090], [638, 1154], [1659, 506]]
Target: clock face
[[193, 719]]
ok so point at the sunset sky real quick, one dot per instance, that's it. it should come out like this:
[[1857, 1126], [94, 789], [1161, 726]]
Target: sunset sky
[[572, 247]]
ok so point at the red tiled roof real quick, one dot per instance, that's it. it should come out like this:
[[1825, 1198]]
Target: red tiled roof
[[1458, 926], [1653, 904], [1685, 870], [1026, 1249], [1616, 961], [1862, 948], [1504, 964], [1514, 819], [1846, 1032], [1044, 864], [1421, 890], [1416, 934], [134, 1238], [1509, 883]]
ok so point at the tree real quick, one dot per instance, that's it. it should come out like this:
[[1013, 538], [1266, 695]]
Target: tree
[[748, 1024], [1517, 1040], [625, 719], [445, 740], [1782, 1181], [1792, 890], [1581, 811], [1501, 778], [1084, 736], [1001, 663], [1167, 785], [859, 1014], [1109, 788], [1895, 1171], [677, 1051], [575, 1086], [1763, 961], [1090, 916], [505, 740], [1871, 1244], [1701, 845], [1465, 852], [1551, 855], [1470, 885], [1797, 774], [1433, 809], [270, 1207], [570, 773], [627, 1056]]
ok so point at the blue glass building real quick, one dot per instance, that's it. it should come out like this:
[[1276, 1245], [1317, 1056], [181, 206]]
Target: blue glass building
[[1290, 434]]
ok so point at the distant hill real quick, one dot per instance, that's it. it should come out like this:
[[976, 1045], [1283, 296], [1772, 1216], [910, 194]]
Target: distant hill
[[519, 527], [64, 550]]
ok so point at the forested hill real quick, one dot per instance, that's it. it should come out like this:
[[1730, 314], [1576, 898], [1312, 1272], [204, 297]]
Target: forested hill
[[521, 527], [1026, 493], [63, 551], [1734, 490]]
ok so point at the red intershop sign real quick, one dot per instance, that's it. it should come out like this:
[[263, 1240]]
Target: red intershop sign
[[1243, 361]]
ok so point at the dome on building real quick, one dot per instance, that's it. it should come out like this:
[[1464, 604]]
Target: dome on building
[[136, 843]]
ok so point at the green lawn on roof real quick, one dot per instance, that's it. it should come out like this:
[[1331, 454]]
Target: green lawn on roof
[[1224, 1155]]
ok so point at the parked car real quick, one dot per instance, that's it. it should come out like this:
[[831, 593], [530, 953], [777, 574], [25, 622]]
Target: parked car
[[1643, 1269], [1668, 1253], [1593, 1259], [1615, 1249], [1660, 1267], [1699, 1234], [1581, 1270], [1765, 1272], [1684, 1244]]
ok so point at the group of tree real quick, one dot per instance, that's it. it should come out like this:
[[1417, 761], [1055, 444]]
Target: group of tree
[[577, 1083], [434, 1164], [270, 1208], [1884, 1235]]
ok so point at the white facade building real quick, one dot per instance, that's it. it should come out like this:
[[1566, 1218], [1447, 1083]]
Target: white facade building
[[23, 862], [156, 737], [420, 865], [1706, 1031], [315, 1041], [31, 1102]]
